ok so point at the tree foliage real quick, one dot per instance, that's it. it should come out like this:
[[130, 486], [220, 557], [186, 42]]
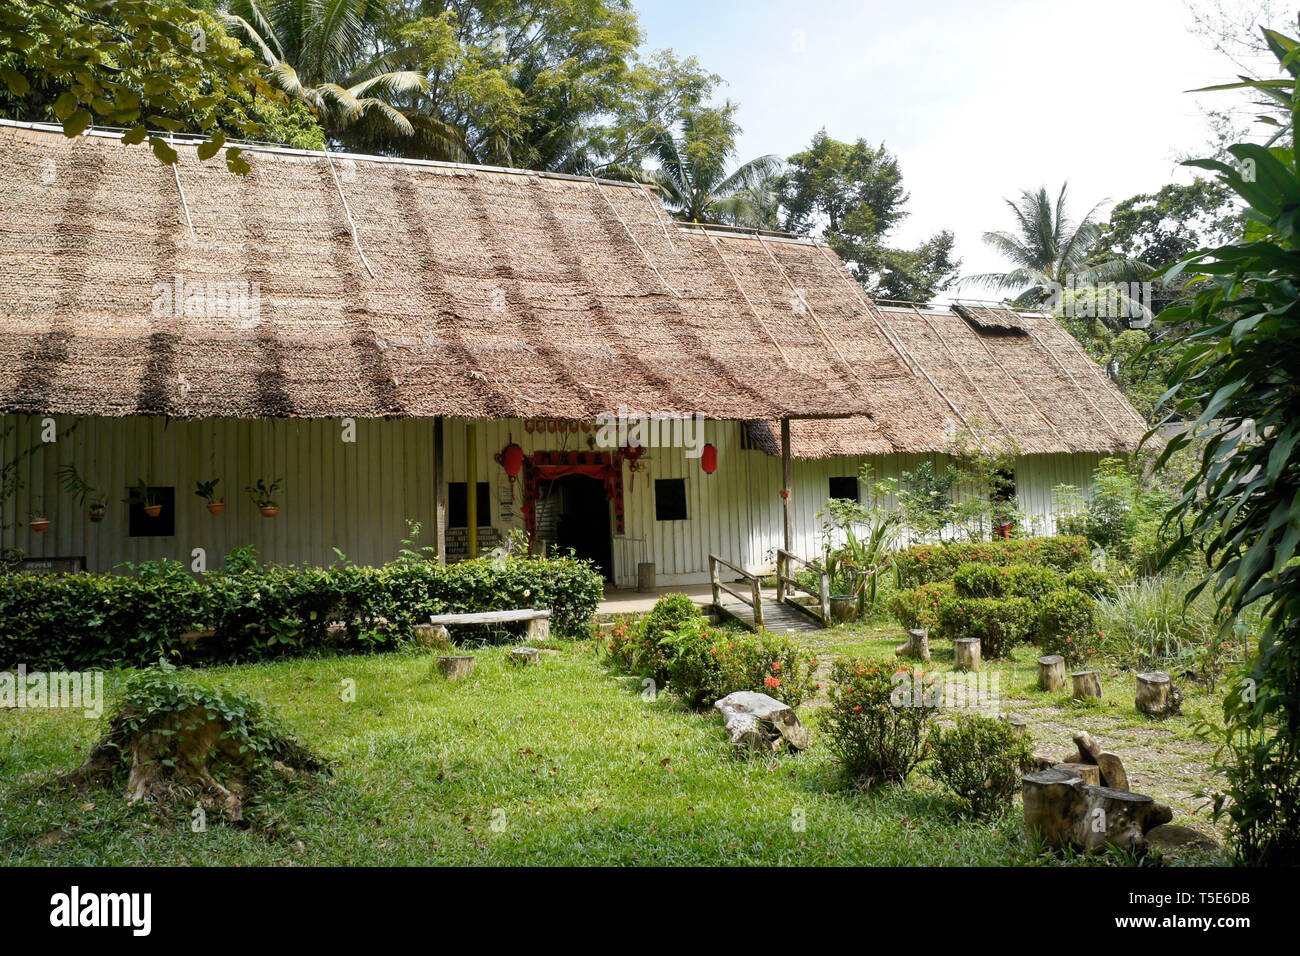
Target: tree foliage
[[852, 195], [1240, 365]]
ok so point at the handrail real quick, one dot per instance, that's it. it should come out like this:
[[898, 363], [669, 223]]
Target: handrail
[[755, 597], [785, 580]]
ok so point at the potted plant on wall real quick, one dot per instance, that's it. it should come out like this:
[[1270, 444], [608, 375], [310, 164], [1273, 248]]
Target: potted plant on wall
[[263, 495], [143, 496], [82, 490], [207, 490], [37, 519]]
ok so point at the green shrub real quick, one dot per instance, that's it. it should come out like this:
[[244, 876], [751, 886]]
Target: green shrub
[[1067, 623], [1095, 584], [981, 759], [705, 664], [939, 562], [920, 607], [999, 623], [88, 620], [1013, 580], [877, 720]]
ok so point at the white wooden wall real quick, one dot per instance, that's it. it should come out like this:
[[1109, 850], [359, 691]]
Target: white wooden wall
[[357, 496]]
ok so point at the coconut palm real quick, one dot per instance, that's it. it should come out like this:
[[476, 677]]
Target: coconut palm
[[696, 187], [1050, 251], [319, 51]]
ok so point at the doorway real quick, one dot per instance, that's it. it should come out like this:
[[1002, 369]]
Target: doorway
[[582, 520]]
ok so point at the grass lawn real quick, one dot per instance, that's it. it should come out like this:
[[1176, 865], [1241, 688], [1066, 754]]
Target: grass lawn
[[562, 763]]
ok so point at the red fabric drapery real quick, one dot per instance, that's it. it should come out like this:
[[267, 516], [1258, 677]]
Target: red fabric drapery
[[549, 465]]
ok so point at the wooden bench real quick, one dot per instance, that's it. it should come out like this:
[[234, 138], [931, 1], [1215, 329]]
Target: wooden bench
[[539, 621]]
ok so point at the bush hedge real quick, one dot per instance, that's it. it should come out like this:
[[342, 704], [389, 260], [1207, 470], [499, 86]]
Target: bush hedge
[[981, 759], [263, 611], [1067, 621], [999, 622], [924, 564], [919, 607], [877, 720]]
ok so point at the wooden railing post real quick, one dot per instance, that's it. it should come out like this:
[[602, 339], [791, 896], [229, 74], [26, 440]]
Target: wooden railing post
[[713, 580], [756, 585], [824, 586], [782, 566]]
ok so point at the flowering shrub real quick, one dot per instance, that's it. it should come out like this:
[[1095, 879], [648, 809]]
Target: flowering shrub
[[877, 720], [707, 664], [1066, 625], [999, 623], [920, 607], [981, 760], [939, 562], [1013, 580]]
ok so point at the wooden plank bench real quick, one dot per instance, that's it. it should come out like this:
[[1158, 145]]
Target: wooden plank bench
[[539, 621]]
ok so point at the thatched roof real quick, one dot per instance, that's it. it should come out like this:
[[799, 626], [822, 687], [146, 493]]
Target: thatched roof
[[1031, 390], [389, 287]]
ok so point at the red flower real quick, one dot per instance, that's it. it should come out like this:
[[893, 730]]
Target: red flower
[[772, 681]]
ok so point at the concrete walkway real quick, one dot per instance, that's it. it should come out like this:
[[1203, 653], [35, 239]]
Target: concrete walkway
[[631, 601]]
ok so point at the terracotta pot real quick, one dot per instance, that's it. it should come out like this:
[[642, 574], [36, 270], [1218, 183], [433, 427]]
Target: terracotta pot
[[40, 524], [216, 507], [153, 511], [269, 511], [97, 512]]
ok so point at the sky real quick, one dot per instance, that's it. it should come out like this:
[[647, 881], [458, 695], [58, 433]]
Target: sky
[[978, 100]]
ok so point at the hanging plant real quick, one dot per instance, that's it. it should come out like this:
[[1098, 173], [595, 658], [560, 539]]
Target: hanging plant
[[143, 496], [37, 519], [207, 490], [83, 491], [263, 495]]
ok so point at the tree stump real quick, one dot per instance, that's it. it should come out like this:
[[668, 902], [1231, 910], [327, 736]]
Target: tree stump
[[454, 668], [1021, 727], [1051, 672], [1065, 810], [539, 629], [1155, 694], [1087, 685], [523, 656], [432, 636], [917, 646], [1087, 772], [966, 653]]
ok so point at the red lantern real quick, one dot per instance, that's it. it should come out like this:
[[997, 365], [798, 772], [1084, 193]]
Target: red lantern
[[709, 460], [511, 458]]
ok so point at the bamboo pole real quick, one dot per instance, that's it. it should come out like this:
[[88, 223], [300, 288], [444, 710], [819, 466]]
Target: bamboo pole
[[471, 488]]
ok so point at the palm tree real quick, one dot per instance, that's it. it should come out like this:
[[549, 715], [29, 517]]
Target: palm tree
[[696, 187], [317, 51], [1050, 252]]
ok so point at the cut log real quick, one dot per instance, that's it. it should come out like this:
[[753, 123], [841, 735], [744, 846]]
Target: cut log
[[522, 656], [432, 636], [1155, 694], [539, 628], [917, 646], [1087, 772], [1087, 744], [966, 653], [1087, 685], [1021, 727], [490, 617], [1112, 771], [1051, 672], [1065, 810], [1042, 762], [454, 668]]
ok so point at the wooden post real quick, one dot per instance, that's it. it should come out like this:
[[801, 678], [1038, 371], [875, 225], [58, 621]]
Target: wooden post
[[471, 488], [966, 653], [824, 593], [782, 568], [713, 579], [454, 668], [756, 586], [1086, 685], [787, 479], [1051, 672], [439, 493]]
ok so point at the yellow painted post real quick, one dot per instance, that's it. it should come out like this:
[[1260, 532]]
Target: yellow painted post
[[471, 488]]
